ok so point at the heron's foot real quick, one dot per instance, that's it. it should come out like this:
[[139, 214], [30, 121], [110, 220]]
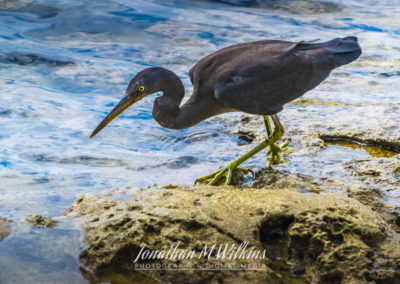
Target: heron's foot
[[226, 172], [275, 153]]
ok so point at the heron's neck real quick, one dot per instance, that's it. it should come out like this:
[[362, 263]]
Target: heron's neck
[[167, 110]]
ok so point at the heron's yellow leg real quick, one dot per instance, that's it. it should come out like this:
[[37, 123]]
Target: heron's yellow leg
[[275, 150], [233, 166]]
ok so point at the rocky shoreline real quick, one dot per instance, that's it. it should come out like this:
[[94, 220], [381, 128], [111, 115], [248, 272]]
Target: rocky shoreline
[[308, 237]]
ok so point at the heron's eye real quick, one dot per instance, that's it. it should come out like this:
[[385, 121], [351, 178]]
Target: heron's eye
[[141, 88]]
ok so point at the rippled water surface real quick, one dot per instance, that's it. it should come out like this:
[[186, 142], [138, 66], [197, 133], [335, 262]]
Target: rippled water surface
[[65, 64]]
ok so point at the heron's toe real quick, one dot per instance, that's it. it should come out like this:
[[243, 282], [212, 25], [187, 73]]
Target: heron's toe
[[275, 153], [225, 172]]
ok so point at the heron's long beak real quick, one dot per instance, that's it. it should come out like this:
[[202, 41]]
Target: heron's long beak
[[126, 102]]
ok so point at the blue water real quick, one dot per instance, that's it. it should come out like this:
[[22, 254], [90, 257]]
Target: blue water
[[65, 64]]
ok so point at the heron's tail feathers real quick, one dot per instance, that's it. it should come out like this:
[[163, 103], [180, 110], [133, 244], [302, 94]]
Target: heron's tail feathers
[[345, 50]]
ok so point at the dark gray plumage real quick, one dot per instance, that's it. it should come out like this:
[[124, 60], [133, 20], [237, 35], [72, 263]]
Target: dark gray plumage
[[255, 77]]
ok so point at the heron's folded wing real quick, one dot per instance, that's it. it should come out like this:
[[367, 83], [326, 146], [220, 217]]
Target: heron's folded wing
[[247, 94], [262, 84], [262, 81]]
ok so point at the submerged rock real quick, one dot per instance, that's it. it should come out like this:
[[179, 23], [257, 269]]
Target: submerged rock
[[4, 228], [41, 221], [32, 60], [306, 237], [291, 6], [42, 11]]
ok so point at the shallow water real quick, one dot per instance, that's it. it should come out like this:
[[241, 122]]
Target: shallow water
[[64, 65]]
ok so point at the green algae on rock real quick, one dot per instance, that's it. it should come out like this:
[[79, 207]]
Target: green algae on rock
[[374, 150], [307, 237], [377, 146], [317, 102]]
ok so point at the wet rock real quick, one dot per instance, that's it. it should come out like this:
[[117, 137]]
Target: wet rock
[[379, 175], [41, 221], [4, 228], [180, 162], [245, 137], [306, 237], [269, 178]]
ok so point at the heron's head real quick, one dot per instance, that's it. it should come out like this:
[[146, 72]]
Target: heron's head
[[145, 83]]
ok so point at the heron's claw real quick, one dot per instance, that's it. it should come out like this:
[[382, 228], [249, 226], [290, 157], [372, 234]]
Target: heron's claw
[[275, 153], [226, 172]]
